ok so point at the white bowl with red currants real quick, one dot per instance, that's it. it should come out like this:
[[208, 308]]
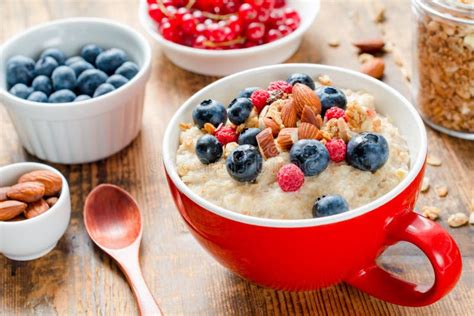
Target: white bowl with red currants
[[220, 37]]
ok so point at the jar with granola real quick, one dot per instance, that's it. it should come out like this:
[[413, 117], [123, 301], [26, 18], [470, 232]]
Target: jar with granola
[[443, 76]]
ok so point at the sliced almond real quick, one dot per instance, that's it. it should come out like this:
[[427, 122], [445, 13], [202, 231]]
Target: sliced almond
[[209, 128], [36, 208], [266, 144], [308, 116], [372, 45], [3, 193], [374, 68], [288, 114], [287, 137], [270, 123], [305, 96], [51, 181], [26, 192], [185, 126], [308, 131], [11, 209]]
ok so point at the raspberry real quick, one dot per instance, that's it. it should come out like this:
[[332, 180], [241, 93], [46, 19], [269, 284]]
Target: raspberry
[[225, 135], [280, 85], [290, 178], [259, 99], [334, 112], [336, 149]]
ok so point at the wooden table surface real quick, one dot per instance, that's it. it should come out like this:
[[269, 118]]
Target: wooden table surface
[[76, 278]]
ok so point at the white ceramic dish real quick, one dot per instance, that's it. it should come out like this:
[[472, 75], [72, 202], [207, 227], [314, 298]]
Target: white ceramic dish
[[83, 131], [389, 103], [225, 62], [33, 238]]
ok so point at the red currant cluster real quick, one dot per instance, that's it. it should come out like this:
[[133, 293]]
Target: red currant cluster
[[223, 24]]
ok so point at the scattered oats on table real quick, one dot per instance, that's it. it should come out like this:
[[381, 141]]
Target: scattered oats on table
[[433, 160], [431, 212], [457, 219], [425, 185], [442, 191], [334, 42], [471, 218]]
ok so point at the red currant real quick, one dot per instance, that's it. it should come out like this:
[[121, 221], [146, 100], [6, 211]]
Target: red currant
[[291, 14], [247, 13], [273, 35], [169, 31], [188, 23], [255, 31], [284, 29], [155, 12], [216, 33], [199, 42], [280, 3], [292, 24], [235, 24]]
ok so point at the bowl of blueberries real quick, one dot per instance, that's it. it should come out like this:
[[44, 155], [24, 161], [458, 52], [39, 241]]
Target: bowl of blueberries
[[74, 89]]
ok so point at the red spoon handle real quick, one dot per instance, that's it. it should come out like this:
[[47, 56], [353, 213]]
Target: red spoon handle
[[146, 302]]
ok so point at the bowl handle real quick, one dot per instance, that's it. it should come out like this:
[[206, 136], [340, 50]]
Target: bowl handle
[[438, 246]]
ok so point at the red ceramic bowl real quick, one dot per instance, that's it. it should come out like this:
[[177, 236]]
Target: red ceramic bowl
[[309, 254]]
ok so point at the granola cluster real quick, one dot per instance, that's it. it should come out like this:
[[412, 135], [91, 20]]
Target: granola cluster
[[445, 68]]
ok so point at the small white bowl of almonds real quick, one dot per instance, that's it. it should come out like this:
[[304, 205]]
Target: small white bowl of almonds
[[35, 209]]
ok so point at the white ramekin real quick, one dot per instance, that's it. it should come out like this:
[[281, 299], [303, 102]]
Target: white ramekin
[[225, 62], [83, 131], [35, 237]]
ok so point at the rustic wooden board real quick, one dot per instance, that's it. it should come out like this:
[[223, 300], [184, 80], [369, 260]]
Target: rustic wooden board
[[76, 278]]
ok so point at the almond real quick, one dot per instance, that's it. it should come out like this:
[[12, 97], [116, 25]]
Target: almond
[[11, 209], [266, 143], [304, 96], [288, 114], [3, 193], [308, 131], [270, 123], [287, 137], [372, 45], [51, 181], [308, 116], [36, 208], [53, 200], [374, 68], [26, 192]]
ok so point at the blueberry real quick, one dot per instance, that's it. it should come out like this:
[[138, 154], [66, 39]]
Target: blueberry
[[208, 149], [82, 97], [20, 69], [90, 52], [38, 96], [328, 205], [72, 60], [45, 66], [128, 70], [209, 111], [330, 97], [367, 151], [244, 163], [55, 53], [62, 96], [80, 66], [247, 92], [21, 90], [108, 61], [103, 89], [117, 81], [239, 110], [63, 78], [301, 78], [43, 84], [310, 155], [249, 136], [89, 80]]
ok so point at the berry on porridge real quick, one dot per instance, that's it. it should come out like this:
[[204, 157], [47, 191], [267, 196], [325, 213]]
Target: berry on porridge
[[299, 149]]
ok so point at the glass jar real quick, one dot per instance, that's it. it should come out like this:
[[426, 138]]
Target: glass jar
[[443, 65]]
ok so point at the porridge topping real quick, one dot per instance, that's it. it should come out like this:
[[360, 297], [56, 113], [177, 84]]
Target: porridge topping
[[274, 155]]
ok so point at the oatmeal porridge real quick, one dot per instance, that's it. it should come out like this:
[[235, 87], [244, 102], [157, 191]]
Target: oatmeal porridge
[[298, 149]]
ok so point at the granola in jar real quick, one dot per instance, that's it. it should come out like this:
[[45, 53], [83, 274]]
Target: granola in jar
[[444, 64]]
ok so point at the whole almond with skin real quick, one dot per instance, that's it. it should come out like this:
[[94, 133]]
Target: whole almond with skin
[[3, 193], [51, 201], [26, 192], [308, 131], [266, 144], [372, 45], [374, 68], [270, 123], [11, 209], [288, 114], [308, 116], [51, 181], [287, 137], [304, 96], [36, 208]]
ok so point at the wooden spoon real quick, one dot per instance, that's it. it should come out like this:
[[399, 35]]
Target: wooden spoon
[[113, 221]]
